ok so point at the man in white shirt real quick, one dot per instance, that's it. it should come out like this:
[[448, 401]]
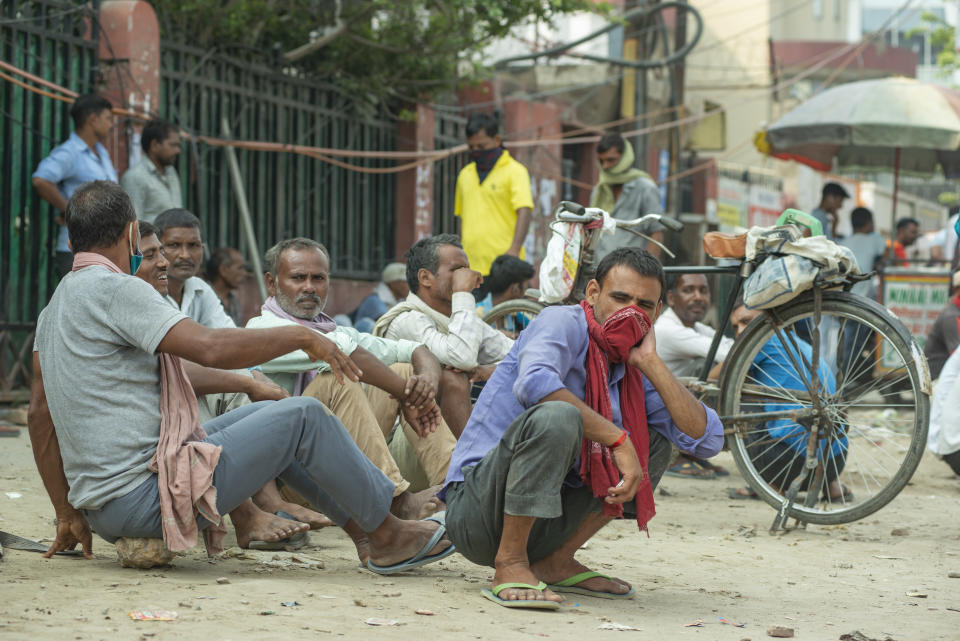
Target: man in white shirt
[[440, 312], [945, 241], [683, 342], [400, 378], [182, 244]]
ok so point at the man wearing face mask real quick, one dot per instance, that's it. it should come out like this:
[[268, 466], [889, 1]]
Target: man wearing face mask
[[577, 420], [114, 426], [625, 193], [493, 197]]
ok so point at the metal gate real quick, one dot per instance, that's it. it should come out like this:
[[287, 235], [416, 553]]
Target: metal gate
[[351, 212], [55, 41], [449, 131]]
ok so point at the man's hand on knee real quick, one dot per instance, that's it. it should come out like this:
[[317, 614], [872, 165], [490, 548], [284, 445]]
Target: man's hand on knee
[[72, 529]]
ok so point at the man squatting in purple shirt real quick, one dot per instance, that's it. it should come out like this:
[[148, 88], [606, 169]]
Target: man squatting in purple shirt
[[514, 497]]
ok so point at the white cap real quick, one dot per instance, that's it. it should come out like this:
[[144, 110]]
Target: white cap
[[394, 272]]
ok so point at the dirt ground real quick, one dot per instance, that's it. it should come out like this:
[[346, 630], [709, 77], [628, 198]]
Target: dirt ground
[[707, 558]]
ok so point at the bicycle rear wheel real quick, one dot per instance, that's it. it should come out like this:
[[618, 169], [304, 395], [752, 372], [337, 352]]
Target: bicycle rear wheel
[[513, 316], [866, 409]]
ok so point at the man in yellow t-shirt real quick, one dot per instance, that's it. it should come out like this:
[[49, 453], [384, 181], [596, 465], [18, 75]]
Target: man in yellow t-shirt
[[493, 197]]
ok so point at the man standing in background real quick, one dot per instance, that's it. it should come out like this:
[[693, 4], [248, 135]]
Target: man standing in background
[[831, 200], [493, 198], [153, 184], [625, 193], [80, 159]]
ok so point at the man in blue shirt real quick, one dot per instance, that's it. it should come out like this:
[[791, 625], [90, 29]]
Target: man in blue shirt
[[778, 448], [514, 498], [80, 159]]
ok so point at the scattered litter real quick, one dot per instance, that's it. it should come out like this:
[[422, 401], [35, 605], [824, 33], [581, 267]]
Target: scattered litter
[[13, 495], [359, 603], [426, 613], [204, 597], [323, 596], [378, 622], [696, 624], [266, 613], [889, 558], [729, 622], [917, 595], [610, 625], [953, 575], [290, 604], [237, 553], [571, 605], [223, 580], [953, 609], [899, 531], [153, 615], [780, 632]]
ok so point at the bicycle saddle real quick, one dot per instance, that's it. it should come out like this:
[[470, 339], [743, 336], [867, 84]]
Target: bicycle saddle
[[720, 245]]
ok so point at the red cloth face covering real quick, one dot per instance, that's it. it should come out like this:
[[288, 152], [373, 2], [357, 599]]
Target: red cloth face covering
[[612, 342]]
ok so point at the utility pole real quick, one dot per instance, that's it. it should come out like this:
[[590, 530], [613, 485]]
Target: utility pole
[[635, 81], [678, 69]]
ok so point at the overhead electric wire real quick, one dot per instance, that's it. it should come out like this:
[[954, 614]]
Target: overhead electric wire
[[421, 157]]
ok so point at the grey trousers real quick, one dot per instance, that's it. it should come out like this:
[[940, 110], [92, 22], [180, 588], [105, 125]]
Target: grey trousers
[[296, 439], [524, 476]]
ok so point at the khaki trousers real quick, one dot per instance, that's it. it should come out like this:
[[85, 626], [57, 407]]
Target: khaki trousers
[[369, 414], [432, 451]]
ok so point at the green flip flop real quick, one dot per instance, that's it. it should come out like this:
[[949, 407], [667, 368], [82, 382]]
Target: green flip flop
[[494, 595], [570, 585]]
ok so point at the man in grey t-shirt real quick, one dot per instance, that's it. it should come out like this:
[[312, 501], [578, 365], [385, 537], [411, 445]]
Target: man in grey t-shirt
[[104, 328]]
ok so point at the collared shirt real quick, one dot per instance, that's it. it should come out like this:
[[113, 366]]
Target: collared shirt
[[488, 209], [152, 193], [284, 369], [70, 165], [469, 343], [638, 197], [202, 304], [551, 355], [684, 349]]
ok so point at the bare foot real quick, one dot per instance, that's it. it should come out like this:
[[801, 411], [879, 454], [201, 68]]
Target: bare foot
[[253, 524], [397, 540], [553, 570], [315, 519], [521, 572], [416, 506], [270, 499], [360, 540]]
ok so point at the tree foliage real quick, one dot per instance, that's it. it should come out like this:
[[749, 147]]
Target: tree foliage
[[942, 38], [376, 49]]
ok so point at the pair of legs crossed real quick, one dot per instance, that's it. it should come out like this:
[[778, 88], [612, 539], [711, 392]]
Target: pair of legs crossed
[[512, 511], [353, 404], [299, 441]]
